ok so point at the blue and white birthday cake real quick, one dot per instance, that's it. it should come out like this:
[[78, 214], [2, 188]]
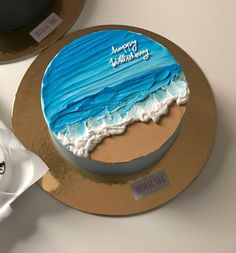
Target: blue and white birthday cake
[[100, 83]]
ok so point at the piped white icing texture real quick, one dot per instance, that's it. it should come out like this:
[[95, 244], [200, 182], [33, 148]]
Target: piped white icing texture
[[150, 109], [104, 81]]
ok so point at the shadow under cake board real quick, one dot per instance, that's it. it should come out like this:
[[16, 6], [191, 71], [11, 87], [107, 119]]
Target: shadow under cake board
[[107, 195], [17, 45]]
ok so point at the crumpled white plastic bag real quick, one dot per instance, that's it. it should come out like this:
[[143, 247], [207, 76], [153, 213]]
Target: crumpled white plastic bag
[[19, 169]]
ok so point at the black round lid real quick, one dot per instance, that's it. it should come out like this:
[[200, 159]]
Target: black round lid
[[15, 14]]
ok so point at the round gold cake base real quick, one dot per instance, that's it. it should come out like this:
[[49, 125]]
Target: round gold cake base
[[18, 45], [112, 195]]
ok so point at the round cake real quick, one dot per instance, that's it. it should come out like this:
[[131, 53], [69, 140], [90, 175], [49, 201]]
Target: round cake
[[114, 101]]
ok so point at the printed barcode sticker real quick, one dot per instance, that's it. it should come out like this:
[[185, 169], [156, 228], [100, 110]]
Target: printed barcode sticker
[[49, 24], [150, 184]]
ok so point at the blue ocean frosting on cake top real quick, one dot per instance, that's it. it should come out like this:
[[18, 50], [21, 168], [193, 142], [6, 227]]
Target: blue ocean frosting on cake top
[[103, 81]]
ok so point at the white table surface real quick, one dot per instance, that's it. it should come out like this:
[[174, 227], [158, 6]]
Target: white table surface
[[203, 218]]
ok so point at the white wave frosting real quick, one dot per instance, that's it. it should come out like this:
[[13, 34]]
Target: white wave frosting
[[152, 108]]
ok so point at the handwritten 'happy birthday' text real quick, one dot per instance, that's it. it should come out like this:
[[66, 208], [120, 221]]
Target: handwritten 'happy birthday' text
[[131, 52]]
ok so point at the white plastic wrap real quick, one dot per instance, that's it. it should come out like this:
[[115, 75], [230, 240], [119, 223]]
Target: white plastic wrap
[[19, 169]]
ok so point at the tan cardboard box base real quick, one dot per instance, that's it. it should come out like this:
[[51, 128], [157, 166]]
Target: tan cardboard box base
[[18, 45], [109, 195]]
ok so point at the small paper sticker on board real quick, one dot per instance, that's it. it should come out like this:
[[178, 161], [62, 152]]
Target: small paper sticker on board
[[150, 184], [49, 24]]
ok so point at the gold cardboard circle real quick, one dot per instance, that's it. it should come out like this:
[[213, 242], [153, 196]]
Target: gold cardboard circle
[[112, 195], [18, 45]]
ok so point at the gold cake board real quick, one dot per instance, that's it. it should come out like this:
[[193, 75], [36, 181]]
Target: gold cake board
[[18, 45], [112, 195]]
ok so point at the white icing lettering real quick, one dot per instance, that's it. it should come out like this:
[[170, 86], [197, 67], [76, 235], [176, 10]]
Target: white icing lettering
[[131, 52], [130, 46], [144, 54]]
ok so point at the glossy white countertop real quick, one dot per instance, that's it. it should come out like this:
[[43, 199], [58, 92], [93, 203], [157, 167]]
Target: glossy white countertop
[[203, 218]]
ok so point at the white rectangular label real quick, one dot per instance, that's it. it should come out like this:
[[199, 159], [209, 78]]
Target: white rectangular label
[[150, 184], [46, 27]]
